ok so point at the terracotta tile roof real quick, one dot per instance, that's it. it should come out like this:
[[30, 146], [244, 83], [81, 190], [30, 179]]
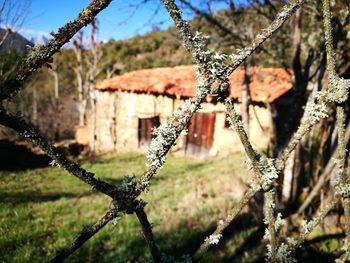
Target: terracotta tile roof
[[267, 84]]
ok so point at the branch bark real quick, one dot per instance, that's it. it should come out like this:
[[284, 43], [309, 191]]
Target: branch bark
[[83, 237], [147, 233]]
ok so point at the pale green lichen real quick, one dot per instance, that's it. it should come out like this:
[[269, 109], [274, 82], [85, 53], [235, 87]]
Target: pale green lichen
[[267, 235], [338, 89], [344, 190], [144, 184], [213, 239], [128, 184], [268, 171], [291, 241], [212, 61], [166, 134], [316, 112], [283, 254], [53, 163], [306, 226], [115, 220], [279, 222]]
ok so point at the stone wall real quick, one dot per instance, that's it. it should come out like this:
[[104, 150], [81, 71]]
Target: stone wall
[[118, 113]]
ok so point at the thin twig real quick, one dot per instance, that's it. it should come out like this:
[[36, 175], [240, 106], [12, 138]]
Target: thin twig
[[147, 233], [248, 195], [270, 221], [311, 225], [344, 186], [340, 88], [328, 37], [318, 111], [343, 258], [168, 133], [265, 174], [326, 174], [188, 38], [83, 236], [249, 150]]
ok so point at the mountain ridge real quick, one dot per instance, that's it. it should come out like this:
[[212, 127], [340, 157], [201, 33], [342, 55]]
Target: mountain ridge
[[14, 41]]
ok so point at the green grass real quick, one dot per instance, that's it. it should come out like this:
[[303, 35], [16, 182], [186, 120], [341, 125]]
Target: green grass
[[41, 210]]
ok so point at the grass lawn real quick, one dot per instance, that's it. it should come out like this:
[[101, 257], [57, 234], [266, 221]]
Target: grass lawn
[[43, 209]]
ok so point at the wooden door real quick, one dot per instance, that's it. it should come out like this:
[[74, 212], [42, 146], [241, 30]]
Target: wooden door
[[200, 134], [145, 129]]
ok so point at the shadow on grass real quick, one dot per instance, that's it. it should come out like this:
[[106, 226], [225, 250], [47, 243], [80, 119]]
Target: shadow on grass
[[36, 197], [14, 157], [253, 241], [9, 246], [252, 249], [310, 254], [184, 241]]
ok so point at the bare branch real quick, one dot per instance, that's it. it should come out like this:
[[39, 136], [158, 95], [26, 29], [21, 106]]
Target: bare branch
[[249, 194], [85, 234], [147, 233], [316, 112], [324, 176], [344, 185], [311, 225], [270, 221]]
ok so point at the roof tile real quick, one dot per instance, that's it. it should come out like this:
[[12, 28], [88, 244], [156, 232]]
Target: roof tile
[[266, 84]]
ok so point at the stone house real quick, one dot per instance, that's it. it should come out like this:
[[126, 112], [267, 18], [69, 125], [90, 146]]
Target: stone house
[[130, 105]]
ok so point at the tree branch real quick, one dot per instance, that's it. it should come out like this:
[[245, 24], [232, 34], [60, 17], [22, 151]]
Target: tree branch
[[248, 195], [85, 234], [324, 176], [312, 224], [147, 233], [270, 221]]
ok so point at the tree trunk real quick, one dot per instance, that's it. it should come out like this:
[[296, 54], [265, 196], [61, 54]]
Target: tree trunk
[[81, 102], [297, 173], [56, 104], [92, 61], [93, 145]]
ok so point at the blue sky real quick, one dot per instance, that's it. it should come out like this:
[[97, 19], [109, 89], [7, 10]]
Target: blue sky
[[122, 19]]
